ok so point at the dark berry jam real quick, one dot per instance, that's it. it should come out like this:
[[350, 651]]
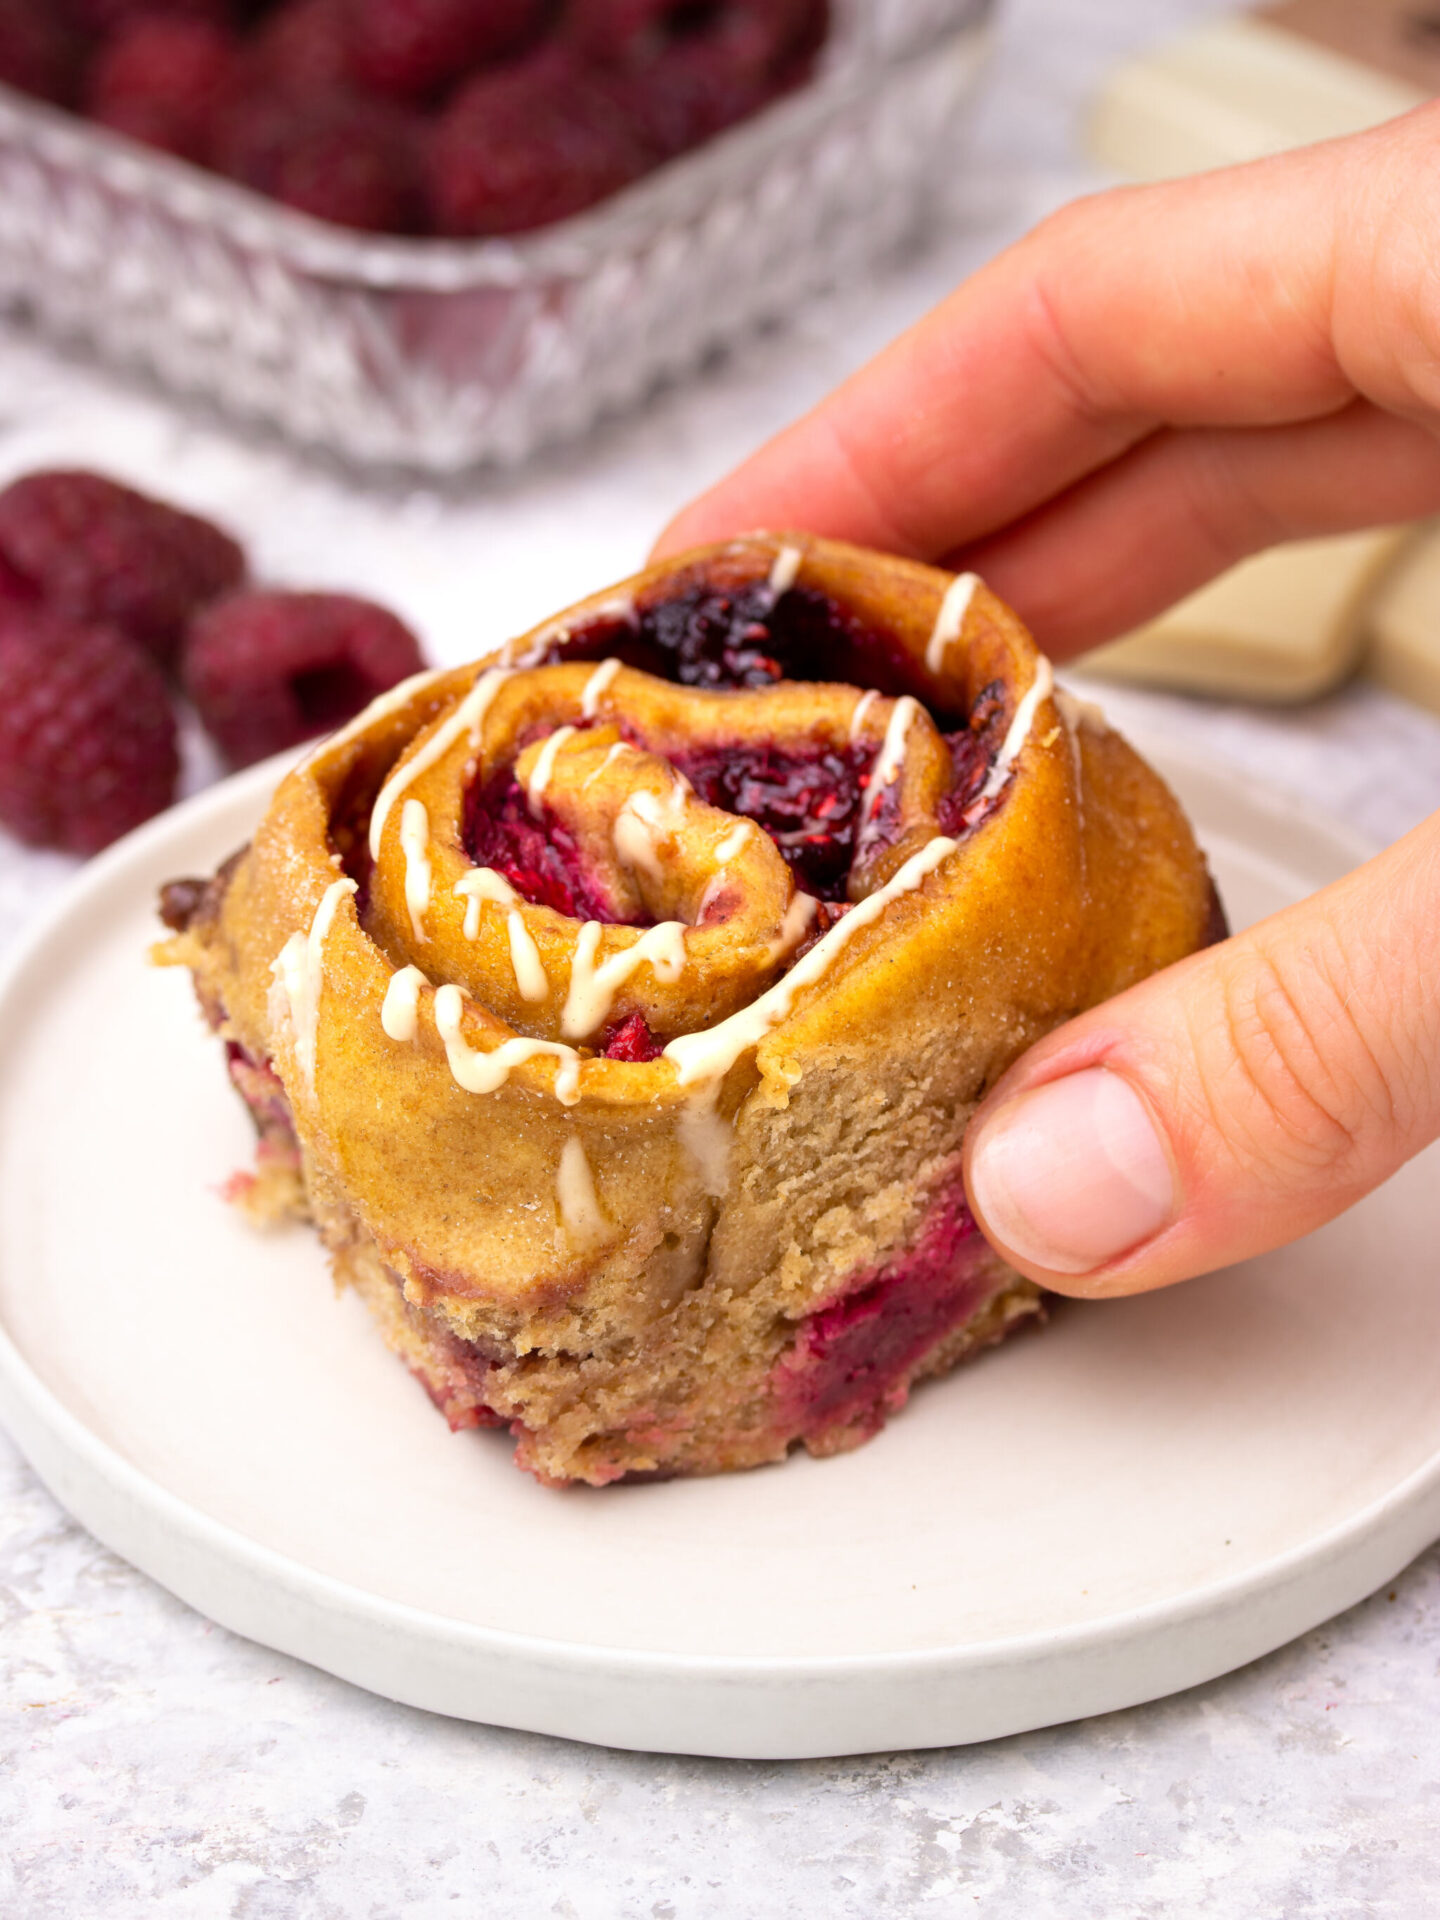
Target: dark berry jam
[[749, 636], [809, 803]]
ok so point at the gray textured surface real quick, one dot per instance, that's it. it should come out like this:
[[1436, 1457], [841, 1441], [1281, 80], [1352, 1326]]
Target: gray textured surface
[[150, 1762]]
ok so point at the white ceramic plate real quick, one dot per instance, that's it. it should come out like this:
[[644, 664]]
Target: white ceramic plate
[[1148, 1494]]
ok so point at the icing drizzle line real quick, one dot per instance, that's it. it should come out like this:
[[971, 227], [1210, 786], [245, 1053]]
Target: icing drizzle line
[[888, 761], [951, 618], [299, 970], [484, 1072], [595, 687], [415, 845], [1019, 731], [786, 570], [581, 1214], [470, 713], [400, 1009], [711, 1054], [593, 989]]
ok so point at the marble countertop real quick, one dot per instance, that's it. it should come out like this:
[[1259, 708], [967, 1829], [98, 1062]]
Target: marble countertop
[[151, 1762]]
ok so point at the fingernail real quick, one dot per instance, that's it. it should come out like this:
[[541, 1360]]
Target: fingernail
[[1073, 1173]]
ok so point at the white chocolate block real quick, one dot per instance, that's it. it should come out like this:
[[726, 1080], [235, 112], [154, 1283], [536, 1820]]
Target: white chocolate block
[[1284, 625], [1402, 626], [1235, 89]]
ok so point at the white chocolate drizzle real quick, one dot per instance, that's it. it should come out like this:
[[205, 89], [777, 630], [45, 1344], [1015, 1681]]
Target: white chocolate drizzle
[[469, 714], [951, 618], [483, 883], [484, 1072], [707, 1138], [415, 845], [862, 707], [726, 849], [530, 975], [1018, 732], [581, 1214], [593, 989], [544, 766], [379, 708], [1076, 712], [786, 570], [798, 920], [595, 687], [620, 746], [903, 716], [710, 1055], [400, 1009], [644, 824], [299, 971], [555, 633]]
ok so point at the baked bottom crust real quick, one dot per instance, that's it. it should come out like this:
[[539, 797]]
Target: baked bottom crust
[[713, 1385], [714, 1381]]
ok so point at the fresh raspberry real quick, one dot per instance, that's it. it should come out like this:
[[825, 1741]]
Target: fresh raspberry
[[414, 48], [348, 161], [300, 49], [108, 16], [752, 39], [39, 54], [268, 670], [96, 550], [161, 78], [527, 145], [87, 735], [686, 96]]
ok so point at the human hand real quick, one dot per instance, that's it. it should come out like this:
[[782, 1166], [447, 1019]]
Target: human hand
[[1152, 384]]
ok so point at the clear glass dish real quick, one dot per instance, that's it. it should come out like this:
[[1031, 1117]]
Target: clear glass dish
[[436, 354]]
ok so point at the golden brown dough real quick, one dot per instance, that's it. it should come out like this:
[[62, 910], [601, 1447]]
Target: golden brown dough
[[637, 1125]]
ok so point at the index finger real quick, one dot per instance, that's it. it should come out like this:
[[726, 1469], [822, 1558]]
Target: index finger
[[1200, 302]]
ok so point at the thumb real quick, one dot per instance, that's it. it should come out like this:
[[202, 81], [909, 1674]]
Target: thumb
[[1230, 1103]]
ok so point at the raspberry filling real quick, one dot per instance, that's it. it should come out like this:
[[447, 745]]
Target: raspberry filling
[[749, 637], [850, 1359], [808, 803], [538, 857]]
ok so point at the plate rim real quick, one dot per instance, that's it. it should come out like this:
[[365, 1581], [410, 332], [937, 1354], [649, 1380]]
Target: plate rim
[[1387, 1531]]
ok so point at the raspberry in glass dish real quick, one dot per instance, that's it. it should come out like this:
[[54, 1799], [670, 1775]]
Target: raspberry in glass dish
[[40, 53], [162, 79], [104, 17], [87, 736], [334, 156], [525, 146], [627, 995], [459, 118], [95, 549], [416, 48], [301, 49]]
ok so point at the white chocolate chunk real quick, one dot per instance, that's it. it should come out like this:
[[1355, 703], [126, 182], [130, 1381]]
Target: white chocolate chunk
[[1235, 89], [1283, 625], [1402, 625]]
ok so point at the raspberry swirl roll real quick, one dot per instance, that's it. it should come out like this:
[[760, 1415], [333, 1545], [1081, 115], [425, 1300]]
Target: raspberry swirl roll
[[628, 994]]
